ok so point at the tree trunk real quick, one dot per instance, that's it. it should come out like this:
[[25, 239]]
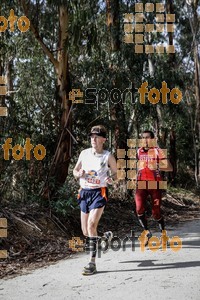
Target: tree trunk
[[197, 96], [117, 114], [63, 155], [197, 119], [59, 167], [170, 10], [194, 24], [173, 156], [113, 23]]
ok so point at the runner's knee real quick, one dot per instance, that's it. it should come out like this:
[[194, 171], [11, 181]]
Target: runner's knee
[[92, 225]]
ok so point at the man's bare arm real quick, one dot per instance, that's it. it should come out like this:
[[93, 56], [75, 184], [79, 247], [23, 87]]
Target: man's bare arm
[[113, 167], [78, 171], [164, 163], [165, 168]]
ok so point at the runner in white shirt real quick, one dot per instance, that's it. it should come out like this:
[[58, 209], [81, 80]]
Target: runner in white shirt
[[92, 170]]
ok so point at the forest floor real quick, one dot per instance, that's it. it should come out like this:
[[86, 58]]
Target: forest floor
[[37, 239]]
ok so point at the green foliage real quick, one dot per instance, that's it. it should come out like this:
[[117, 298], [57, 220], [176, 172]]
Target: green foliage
[[66, 198]]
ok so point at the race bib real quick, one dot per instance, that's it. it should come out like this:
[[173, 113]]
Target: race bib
[[91, 178]]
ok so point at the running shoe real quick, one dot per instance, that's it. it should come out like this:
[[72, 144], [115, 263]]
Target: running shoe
[[108, 235], [90, 269], [105, 243], [149, 235], [164, 242]]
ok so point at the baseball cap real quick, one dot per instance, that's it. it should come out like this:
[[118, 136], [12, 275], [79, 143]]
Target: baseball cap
[[99, 130]]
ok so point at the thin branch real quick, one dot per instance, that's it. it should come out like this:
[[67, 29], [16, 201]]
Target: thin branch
[[38, 37], [12, 92]]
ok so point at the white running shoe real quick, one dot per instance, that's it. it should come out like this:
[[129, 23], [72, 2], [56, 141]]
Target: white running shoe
[[107, 237]]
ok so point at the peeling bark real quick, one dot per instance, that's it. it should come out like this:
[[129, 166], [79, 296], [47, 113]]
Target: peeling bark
[[60, 163]]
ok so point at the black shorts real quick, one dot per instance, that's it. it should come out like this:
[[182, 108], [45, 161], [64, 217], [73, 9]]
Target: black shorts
[[89, 199]]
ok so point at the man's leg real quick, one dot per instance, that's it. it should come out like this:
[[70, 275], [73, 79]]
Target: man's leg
[[84, 222], [93, 220], [140, 198], [156, 212]]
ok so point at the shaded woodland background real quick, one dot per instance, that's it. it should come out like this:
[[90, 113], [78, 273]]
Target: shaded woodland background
[[79, 44]]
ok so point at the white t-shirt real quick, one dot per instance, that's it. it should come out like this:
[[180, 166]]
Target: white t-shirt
[[95, 167]]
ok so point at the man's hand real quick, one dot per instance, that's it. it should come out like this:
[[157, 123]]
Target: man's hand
[[81, 173], [109, 180]]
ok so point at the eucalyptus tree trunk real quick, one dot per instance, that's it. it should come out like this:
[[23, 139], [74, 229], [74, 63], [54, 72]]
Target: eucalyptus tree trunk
[[173, 156], [194, 24], [2, 124], [197, 96], [117, 113], [170, 10], [172, 66], [60, 163], [113, 23]]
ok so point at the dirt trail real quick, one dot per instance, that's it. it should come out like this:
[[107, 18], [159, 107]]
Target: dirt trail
[[121, 274]]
